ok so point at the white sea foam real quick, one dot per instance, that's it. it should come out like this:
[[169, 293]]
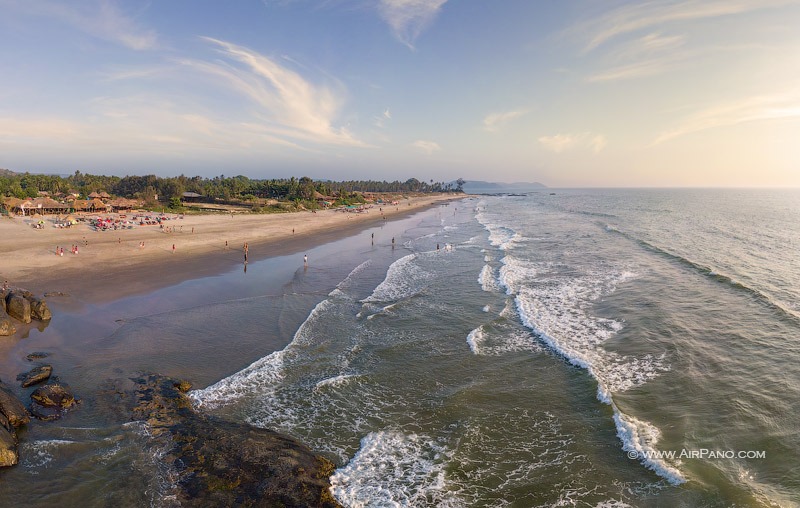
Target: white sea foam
[[487, 279], [335, 382], [37, 454], [262, 374], [555, 302], [342, 287], [403, 279], [474, 339], [639, 438], [394, 469], [502, 237]]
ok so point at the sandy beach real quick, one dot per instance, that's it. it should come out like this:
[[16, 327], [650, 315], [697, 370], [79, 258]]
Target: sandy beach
[[122, 262]]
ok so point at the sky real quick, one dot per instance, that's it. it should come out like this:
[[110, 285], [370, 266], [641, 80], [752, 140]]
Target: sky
[[572, 93]]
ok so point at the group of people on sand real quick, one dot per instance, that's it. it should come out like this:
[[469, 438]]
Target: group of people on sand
[[60, 250]]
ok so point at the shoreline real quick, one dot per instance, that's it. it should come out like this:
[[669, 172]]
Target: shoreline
[[111, 264]]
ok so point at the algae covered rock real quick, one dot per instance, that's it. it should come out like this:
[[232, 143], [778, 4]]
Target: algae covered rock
[[50, 402], [35, 376]]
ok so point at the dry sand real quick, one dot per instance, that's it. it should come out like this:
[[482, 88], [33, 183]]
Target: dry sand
[[111, 264]]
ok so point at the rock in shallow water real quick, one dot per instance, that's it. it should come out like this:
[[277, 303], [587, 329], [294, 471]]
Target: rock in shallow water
[[6, 324], [12, 408], [35, 376], [223, 463], [50, 402], [19, 307]]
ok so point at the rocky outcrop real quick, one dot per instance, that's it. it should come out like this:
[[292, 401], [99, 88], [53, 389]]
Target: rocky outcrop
[[36, 355], [12, 408], [8, 448], [12, 415], [39, 309], [50, 402], [6, 324], [35, 376], [18, 307], [223, 463]]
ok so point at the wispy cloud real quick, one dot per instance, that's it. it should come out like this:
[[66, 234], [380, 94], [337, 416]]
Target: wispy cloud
[[636, 38], [643, 16], [563, 142], [408, 18], [104, 19], [750, 109], [292, 106], [380, 121], [426, 146], [494, 121]]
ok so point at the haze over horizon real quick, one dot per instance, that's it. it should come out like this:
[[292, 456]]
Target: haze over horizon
[[571, 94]]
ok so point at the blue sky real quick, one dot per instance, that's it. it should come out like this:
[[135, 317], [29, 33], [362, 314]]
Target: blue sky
[[569, 93]]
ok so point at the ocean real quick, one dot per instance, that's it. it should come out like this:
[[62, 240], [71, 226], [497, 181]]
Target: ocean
[[598, 347]]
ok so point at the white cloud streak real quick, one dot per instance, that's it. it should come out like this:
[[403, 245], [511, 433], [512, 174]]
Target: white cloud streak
[[643, 16], [103, 19], [749, 109], [494, 121], [426, 146], [559, 143], [293, 107], [408, 18]]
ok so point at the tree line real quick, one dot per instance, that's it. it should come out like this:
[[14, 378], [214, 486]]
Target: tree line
[[219, 188]]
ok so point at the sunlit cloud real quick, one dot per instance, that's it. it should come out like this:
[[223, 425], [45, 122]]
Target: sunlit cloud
[[643, 16], [103, 19], [426, 146], [635, 70], [750, 109], [494, 121], [408, 18], [563, 142], [291, 106]]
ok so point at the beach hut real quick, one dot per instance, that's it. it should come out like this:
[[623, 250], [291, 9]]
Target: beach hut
[[47, 205], [16, 205], [191, 197]]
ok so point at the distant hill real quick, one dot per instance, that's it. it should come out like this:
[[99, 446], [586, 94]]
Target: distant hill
[[479, 187], [6, 172]]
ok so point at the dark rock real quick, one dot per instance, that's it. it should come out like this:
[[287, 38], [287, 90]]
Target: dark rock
[[55, 293], [8, 448], [18, 307], [37, 355], [50, 402], [35, 376], [6, 324], [39, 309], [12, 408], [225, 464]]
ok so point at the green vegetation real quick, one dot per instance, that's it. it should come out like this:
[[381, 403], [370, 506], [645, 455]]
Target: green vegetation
[[302, 193]]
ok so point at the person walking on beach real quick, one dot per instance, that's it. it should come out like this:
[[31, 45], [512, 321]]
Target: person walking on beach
[[305, 260], [173, 248]]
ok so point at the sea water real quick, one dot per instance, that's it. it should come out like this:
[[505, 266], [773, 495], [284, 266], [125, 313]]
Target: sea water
[[581, 348]]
